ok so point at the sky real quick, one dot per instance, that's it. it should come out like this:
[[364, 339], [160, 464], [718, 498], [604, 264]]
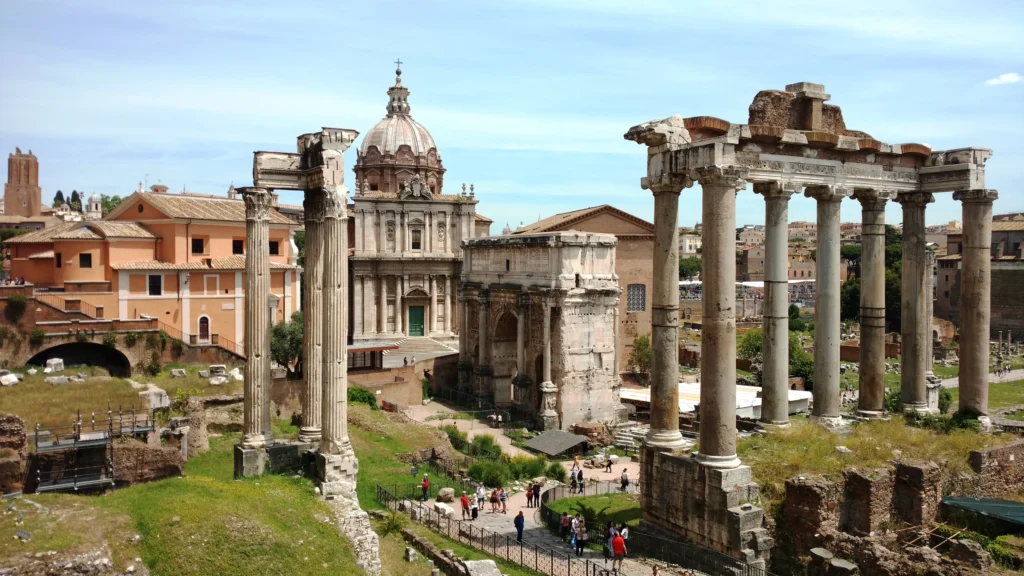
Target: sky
[[526, 99]]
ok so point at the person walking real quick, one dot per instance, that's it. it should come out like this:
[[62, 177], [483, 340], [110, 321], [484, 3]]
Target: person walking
[[565, 526], [481, 495], [575, 462], [581, 540], [465, 505], [608, 465], [529, 495], [618, 552], [625, 479], [536, 495], [520, 523], [503, 495], [572, 482], [624, 532], [582, 483], [475, 508], [426, 487]]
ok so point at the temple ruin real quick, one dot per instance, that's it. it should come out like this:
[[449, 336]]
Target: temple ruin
[[793, 142]]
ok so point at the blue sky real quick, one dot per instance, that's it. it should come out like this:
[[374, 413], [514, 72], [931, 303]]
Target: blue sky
[[527, 99]]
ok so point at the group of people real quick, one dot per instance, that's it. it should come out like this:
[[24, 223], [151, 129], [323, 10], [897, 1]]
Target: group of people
[[576, 481], [533, 495], [471, 505], [14, 282], [616, 540]]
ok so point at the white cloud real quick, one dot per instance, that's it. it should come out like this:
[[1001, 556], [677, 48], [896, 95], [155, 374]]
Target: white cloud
[[1008, 78]]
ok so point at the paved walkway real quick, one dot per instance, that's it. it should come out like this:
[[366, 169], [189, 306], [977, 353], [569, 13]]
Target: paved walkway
[[472, 428], [992, 379]]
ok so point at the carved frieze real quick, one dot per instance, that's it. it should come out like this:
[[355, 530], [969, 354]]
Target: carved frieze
[[442, 229], [389, 230]]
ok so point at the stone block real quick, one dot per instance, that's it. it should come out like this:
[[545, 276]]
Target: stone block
[[155, 397], [446, 495], [56, 380], [840, 567], [218, 369], [410, 554], [218, 381], [971, 553], [33, 371], [729, 478], [249, 462], [917, 492], [8, 380], [55, 364], [444, 510], [204, 373], [481, 568]]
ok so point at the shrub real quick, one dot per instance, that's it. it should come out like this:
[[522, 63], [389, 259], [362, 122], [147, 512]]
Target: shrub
[[455, 436], [536, 467], [153, 366], [177, 347], [945, 400], [82, 336], [130, 339], [163, 339], [110, 340], [426, 387], [16, 305], [36, 337], [893, 404], [490, 473], [393, 523], [152, 341], [556, 471], [362, 396], [182, 396], [485, 446]]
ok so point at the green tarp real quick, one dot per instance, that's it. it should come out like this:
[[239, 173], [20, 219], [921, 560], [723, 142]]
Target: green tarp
[[1005, 510], [554, 442]]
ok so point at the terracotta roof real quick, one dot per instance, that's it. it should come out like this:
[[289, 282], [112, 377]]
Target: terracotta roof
[[113, 229], [44, 235], [14, 219], [228, 263], [199, 207], [237, 262], [565, 219], [1004, 257], [41, 255], [78, 234], [481, 218], [1008, 226]]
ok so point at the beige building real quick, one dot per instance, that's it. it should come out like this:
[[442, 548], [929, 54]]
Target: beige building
[[406, 255], [634, 263], [689, 243], [538, 326]]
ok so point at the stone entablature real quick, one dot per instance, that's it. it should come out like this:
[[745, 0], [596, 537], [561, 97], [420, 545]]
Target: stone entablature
[[539, 325]]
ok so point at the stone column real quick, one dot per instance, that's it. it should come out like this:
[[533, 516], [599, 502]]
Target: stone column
[[381, 232], [718, 349], [547, 389], [382, 305], [521, 335], [312, 317], [256, 414], [914, 332], [357, 301], [483, 369], [975, 300], [664, 432], [827, 324], [775, 377], [399, 312], [334, 439], [871, 373], [929, 314], [447, 304], [432, 311]]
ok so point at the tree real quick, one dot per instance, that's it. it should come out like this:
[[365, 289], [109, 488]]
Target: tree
[[75, 198], [689, 268], [58, 199], [801, 363], [750, 344], [300, 243], [286, 342], [849, 300], [796, 323], [108, 203], [852, 255], [640, 359]]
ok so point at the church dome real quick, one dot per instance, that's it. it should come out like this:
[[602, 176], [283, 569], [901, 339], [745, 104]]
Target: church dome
[[398, 128], [95, 198]]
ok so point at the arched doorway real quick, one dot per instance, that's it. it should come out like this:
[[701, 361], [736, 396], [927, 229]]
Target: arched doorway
[[503, 356], [88, 354], [204, 329]]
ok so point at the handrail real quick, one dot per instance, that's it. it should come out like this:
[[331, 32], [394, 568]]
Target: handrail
[[185, 338], [59, 302]]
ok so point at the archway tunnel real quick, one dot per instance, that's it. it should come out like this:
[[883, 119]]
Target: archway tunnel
[[86, 353]]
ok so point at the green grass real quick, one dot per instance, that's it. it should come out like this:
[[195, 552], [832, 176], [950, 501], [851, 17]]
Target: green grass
[[469, 553], [805, 449], [1000, 394], [617, 508], [946, 372]]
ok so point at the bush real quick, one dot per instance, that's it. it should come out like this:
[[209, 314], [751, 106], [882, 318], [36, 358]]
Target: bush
[[163, 339], [556, 471], [152, 367], [536, 467], [485, 446], [82, 336], [490, 473], [36, 337], [110, 340], [893, 403], [130, 339], [152, 341], [16, 305], [945, 400], [359, 395], [393, 523], [177, 347], [181, 398], [455, 436]]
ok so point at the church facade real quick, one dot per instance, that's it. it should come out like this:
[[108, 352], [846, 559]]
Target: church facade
[[406, 251]]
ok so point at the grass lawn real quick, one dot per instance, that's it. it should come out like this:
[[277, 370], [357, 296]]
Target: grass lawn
[[945, 372], [273, 525], [805, 449], [600, 510], [1000, 394]]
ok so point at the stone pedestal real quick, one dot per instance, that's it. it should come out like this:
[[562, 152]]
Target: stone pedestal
[[337, 473], [250, 461], [548, 403]]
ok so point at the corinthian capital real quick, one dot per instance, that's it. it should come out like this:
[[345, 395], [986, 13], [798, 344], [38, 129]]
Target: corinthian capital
[[669, 131], [335, 201], [828, 192], [776, 189], [981, 195], [915, 198], [666, 183], [873, 198], [257, 202], [725, 176]]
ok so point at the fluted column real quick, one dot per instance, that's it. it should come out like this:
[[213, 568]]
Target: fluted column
[[256, 416], [827, 323], [334, 437], [432, 311], [312, 318], [524, 304], [871, 373], [975, 300], [399, 313], [664, 432], [718, 339], [929, 313], [775, 377], [914, 331], [546, 367]]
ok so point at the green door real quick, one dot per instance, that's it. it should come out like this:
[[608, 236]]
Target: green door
[[415, 320]]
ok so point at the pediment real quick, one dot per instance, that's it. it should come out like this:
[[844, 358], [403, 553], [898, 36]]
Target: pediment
[[415, 189]]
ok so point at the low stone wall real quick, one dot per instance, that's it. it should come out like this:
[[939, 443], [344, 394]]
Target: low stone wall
[[999, 471], [136, 462], [13, 443], [399, 386]]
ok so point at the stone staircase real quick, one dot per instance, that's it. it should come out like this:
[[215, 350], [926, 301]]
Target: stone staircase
[[630, 435], [420, 348]]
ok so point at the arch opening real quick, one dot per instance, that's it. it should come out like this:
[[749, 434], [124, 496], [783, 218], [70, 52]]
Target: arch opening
[[88, 354]]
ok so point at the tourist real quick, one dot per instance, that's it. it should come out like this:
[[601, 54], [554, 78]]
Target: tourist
[[579, 478], [426, 487], [465, 505], [581, 540], [405, 361], [625, 479], [608, 465], [520, 523], [529, 495], [572, 482], [624, 532], [494, 501], [481, 495], [618, 552], [503, 495], [536, 494], [499, 420], [575, 462], [564, 526], [475, 508]]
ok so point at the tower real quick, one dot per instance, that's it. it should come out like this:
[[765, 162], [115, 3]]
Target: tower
[[94, 210], [22, 195]]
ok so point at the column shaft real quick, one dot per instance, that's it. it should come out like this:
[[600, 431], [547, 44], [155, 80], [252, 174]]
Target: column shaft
[[664, 431], [827, 324], [447, 304], [975, 299], [871, 373], [913, 343], [929, 313], [521, 340], [382, 305], [483, 328], [399, 312], [256, 415], [432, 311], [334, 437], [546, 367], [718, 348], [775, 378], [312, 314]]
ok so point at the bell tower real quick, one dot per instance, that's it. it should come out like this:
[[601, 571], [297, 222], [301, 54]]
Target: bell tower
[[22, 195]]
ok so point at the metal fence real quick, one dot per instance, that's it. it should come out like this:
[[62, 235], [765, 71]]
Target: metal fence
[[590, 488]]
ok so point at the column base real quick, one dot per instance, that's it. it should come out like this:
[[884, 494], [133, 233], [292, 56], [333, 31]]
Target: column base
[[719, 462], [665, 440], [309, 434], [774, 426], [337, 473], [985, 424], [829, 422], [250, 461], [872, 415], [916, 408], [257, 440]]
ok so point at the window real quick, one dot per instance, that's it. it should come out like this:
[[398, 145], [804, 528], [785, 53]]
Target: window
[[416, 239], [156, 285], [85, 260], [636, 298], [140, 208], [947, 277], [238, 246], [197, 246], [59, 260], [275, 248], [374, 187], [508, 265]]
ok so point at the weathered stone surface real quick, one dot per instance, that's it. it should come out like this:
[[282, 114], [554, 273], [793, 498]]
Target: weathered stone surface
[[55, 364], [155, 397], [410, 554], [597, 432], [136, 462], [917, 492], [867, 500], [970, 553], [204, 373], [56, 380], [218, 381], [8, 380], [446, 495], [481, 568], [219, 369], [444, 510]]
